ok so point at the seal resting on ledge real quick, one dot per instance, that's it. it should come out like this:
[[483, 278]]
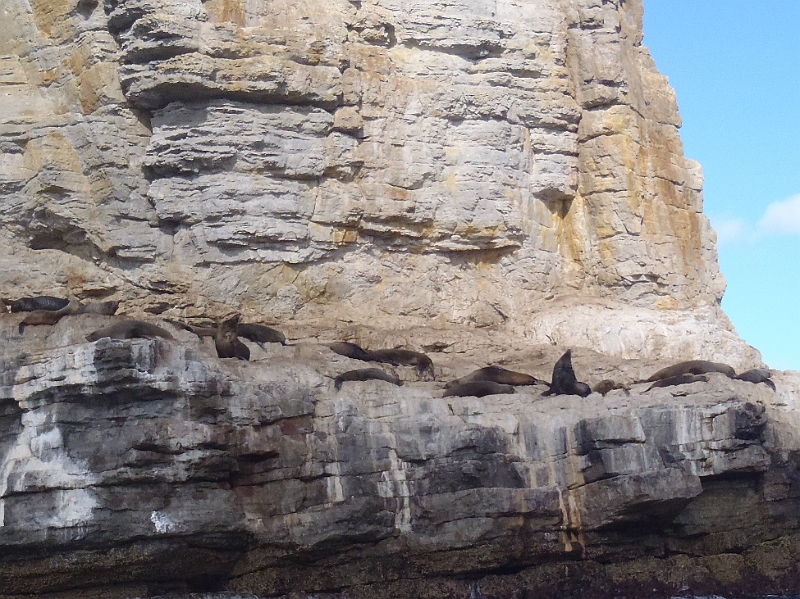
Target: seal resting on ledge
[[403, 357], [226, 340], [350, 350], [366, 374], [691, 367], [497, 374], [130, 329], [40, 302], [48, 316]]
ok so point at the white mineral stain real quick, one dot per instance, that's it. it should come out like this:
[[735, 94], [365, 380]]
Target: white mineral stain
[[394, 484], [38, 452], [334, 482], [162, 522], [73, 508]]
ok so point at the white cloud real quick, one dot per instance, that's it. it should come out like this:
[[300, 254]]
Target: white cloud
[[730, 230], [781, 218]]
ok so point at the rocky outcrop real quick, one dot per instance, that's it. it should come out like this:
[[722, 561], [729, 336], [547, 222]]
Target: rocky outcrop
[[140, 467], [298, 160], [490, 183]]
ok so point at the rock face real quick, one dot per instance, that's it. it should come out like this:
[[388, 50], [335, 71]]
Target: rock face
[[141, 467], [297, 160], [488, 182]]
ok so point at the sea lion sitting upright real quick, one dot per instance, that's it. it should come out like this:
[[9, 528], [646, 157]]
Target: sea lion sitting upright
[[757, 375], [679, 379], [564, 380], [366, 374], [227, 341], [403, 357], [259, 333], [477, 389], [692, 367], [40, 302], [350, 350], [129, 329], [48, 316], [496, 374]]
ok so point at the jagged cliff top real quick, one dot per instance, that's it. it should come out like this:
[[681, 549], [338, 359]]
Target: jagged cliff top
[[380, 163]]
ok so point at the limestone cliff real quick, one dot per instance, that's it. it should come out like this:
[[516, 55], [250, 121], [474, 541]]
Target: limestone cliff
[[483, 163], [490, 182], [134, 468]]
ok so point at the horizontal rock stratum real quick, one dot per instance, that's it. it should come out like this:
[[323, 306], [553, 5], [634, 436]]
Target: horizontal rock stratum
[[490, 182], [140, 467], [299, 161]]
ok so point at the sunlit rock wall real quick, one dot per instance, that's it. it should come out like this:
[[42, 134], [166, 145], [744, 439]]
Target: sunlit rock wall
[[486, 163]]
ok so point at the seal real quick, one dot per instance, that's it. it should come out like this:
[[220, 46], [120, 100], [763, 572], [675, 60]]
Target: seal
[[477, 389], [607, 385], [48, 316], [227, 341], [199, 331], [684, 378], [350, 350], [564, 380], [129, 329], [404, 357], [497, 374], [259, 333], [757, 375], [39, 302], [691, 367], [366, 374], [101, 308]]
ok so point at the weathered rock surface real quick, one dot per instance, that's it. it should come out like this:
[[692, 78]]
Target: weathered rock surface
[[140, 467], [297, 160], [488, 182]]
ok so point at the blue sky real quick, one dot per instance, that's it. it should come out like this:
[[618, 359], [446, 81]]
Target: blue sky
[[735, 66]]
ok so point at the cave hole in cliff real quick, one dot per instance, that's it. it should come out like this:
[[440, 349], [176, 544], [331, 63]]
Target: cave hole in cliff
[[48, 240], [85, 8], [73, 242], [557, 203]]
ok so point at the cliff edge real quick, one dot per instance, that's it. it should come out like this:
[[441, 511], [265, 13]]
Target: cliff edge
[[487, 182]]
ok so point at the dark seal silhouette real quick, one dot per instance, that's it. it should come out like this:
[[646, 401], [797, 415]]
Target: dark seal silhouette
[[403, 357], [227, 342], [101, 308], [130, 329], [477, 389], [259, 333], [40, 302], [199, 331], [679, 379], [497, 374], [691, 367], [48, 316], [757, 375], [366, 374], [564, 380], [350, 350]]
